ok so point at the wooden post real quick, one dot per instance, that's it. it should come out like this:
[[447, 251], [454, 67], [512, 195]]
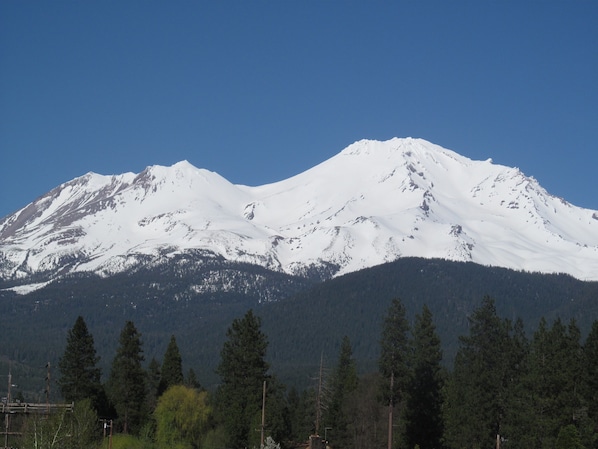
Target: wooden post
[[110, 438], [319, 395], [7, 416], [48, 387], [390, 408], [263, 415]]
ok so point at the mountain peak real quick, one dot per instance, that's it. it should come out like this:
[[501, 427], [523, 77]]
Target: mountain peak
[[374, 202]]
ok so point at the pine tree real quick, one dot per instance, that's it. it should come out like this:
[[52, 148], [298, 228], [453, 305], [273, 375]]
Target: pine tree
[[79, 375], [152, 383], [277, 413], [568, 438], [590, 369], [555, 381], [172, 367], [191, 380], [519, 415], [126, 384], [344, 381], [480, 383], [242, 370], [423, 411], [395, 359]]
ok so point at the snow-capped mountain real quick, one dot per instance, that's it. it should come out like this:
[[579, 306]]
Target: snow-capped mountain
[[372, 203]]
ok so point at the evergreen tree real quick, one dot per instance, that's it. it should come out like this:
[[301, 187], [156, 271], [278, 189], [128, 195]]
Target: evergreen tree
[[568, 438], [126, 384], [395, 358], [554, 382], [79, 375], [590, 368], [537, 381], [242, 370], [479, 386], [366, 415], [519, 415], [296, 413], [172, 367], [191, 380], [423, 411], [277, 414], [344, 381], [301, 410], [152, 383]]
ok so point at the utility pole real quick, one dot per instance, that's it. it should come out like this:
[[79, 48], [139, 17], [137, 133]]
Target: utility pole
[[110, 440], [319, 396], [7, 415], [263, 415], [48, 387], [390, 408], [105, 422]]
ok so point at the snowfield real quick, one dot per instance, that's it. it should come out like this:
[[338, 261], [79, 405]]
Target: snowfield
[[372, 203]]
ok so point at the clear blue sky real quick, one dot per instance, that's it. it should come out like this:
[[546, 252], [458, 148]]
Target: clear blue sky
[[261, 90]]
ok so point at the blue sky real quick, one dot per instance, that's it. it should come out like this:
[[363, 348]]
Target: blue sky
[[261, 90]]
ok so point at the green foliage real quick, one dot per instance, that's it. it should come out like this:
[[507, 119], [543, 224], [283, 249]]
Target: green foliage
[[530, 392], [343, 382], [79, 375], [172, 367], [277, 413], [152, 383], [554, 382], [191, 380], [366, 417], [182, 417], [125, 441], [64, 430], [568, 438], [243, 370], [216, 438], [423, 409], [302, 411], [590, 373], [395, 353], [84, 425], [34, 325], [483, 374], [126, 384]]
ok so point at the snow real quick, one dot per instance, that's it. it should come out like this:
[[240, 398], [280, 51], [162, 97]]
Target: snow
[[371, 203]]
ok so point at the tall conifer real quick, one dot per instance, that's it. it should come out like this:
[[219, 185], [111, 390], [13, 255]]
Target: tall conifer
[[479, 385], [79, 374], [395, 359], [423, 411], [242, 371], [554, 382], [172, 367], [126, 384], [590, 364], [344, 381]]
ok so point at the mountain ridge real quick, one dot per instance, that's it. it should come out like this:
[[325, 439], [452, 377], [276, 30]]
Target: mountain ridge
[[372, 203]]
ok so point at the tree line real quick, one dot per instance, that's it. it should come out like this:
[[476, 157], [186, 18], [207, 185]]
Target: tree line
[[505, 390]]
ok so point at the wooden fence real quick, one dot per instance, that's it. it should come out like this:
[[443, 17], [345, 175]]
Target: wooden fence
[[25, 407]]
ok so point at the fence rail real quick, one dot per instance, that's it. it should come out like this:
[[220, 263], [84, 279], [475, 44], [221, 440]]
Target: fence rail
[[25, 407]]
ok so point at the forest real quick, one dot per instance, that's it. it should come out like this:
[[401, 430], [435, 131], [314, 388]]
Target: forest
[[504, 390], [162, 301]]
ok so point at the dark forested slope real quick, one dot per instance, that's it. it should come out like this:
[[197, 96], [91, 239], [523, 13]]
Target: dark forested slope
[[301, 319]]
